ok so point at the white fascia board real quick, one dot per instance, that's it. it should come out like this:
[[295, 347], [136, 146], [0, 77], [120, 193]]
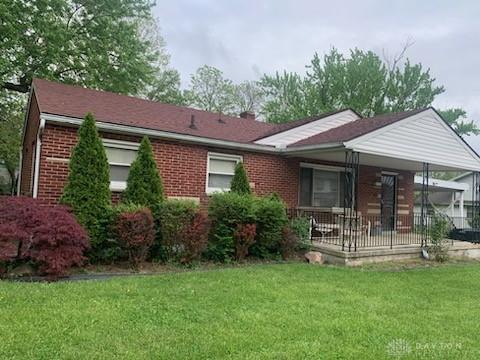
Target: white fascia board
[[131, 130], [445, 184]]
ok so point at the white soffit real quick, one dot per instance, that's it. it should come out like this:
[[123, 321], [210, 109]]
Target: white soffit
[[422, 137], [301, 132]]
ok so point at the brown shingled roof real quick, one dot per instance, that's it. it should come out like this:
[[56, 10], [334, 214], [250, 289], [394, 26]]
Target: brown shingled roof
[[75, 101], [355, 129]]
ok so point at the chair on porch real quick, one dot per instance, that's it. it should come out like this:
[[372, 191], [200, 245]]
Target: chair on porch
[[324, 228], [353, 227]]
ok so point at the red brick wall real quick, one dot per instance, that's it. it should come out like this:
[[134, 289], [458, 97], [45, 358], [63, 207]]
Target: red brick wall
[[183, 169]]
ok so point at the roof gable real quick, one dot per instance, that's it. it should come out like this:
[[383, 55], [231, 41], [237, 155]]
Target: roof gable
[[353, 129], [306, 129], [424, 137]]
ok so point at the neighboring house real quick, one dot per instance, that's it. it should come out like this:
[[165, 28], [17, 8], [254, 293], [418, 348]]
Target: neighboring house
[[314, 163], [453, 197]]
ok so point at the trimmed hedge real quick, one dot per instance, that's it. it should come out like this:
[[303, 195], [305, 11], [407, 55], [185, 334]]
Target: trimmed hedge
[[271, 218], [174, 217], [136, 232], [227, 211]]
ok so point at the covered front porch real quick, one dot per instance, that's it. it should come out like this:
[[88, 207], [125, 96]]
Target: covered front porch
[[368, 206]]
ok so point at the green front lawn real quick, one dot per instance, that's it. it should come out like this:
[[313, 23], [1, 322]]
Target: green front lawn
[[284, 311]]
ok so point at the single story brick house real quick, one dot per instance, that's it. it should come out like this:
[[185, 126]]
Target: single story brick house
[[325, 163]]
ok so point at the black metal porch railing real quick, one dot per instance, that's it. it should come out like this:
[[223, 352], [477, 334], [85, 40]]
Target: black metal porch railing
[[369, 231]]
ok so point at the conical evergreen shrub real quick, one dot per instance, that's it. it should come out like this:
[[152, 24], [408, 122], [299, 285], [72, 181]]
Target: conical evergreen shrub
[[144, 184], [87, 190], [240, 183]]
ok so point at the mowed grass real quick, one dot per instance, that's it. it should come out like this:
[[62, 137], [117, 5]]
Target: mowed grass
[[284, 311]]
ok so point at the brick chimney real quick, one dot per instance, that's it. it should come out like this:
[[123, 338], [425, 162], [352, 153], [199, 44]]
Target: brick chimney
[[250, 115]]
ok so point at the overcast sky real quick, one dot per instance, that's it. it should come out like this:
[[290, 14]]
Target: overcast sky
[[246, 38]]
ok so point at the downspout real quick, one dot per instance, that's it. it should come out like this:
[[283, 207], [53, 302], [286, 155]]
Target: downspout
[[38, 149]]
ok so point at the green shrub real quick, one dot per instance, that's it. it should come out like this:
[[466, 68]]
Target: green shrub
[[144, 184], [438, 232], [288, 243], [227, 211], [174, 217], [301, 227], [271, 218], [240, 183], [87, 190]]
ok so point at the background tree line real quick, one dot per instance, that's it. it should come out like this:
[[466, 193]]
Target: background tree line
[[116, 45]]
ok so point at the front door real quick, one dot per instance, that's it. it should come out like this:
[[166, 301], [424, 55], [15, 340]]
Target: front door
[[388, 202]]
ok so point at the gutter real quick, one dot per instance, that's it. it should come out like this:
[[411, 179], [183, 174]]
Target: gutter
[[38, 149], [131, 130]]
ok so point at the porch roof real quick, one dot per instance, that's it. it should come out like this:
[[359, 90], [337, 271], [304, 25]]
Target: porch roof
[[403, 142]]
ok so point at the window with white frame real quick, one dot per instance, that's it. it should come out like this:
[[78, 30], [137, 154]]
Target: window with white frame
[[321, 186], [220, 170], [120, 155]]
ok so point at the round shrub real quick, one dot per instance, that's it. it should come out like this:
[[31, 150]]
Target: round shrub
[[271, 218], [194, 238], [136, 232], [48, 236], [227, 211], [174, 217]]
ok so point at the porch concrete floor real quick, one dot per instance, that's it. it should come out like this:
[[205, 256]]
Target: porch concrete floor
[[333, 254]]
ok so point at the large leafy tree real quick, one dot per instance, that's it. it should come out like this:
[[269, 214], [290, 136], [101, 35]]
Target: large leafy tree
[[210, 91], [110, 45], [99, 44], [87, 190], [363, 81], [248, 97]]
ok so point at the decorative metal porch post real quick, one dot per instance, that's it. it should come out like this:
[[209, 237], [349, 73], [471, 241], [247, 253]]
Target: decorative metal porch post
[[475, 221], [350, 200], [424, 204]]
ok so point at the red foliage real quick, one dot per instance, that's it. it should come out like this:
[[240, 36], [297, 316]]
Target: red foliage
[[288, 243], [49, 236], [244, 238], [136, 233], [195, 238], [11, 239]]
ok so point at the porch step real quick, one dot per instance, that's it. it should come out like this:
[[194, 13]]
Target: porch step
[[333, 254]]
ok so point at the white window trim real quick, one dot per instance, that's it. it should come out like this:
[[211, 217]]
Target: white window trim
[[219, 156], [119, 144]]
